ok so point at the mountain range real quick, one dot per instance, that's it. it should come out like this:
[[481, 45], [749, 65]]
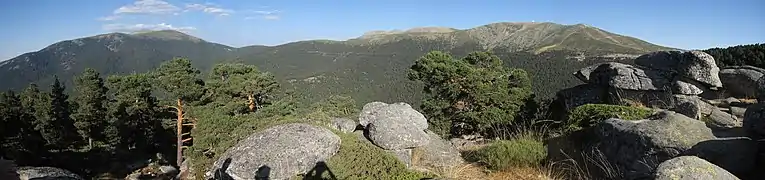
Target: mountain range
[[368, 68]]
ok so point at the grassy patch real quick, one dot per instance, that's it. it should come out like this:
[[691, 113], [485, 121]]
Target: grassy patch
[[504, 154], [591, 114], [359, 159]]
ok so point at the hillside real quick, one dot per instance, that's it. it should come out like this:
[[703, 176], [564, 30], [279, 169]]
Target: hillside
[[371, 67]]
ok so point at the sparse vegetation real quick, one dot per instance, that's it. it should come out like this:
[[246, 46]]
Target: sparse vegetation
[[591, 114]]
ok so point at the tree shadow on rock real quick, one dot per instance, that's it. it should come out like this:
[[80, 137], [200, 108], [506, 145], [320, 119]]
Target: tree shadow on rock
[[318, 171], [221, 174], [262, 173]]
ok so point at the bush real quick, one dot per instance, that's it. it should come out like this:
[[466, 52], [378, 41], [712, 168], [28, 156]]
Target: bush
[[591, 114], [518, 152], [359, 159]]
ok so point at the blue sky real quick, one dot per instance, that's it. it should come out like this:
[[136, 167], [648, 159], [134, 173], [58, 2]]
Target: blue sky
[[30, 25]]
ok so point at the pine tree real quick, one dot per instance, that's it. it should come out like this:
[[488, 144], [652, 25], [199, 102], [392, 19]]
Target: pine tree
[[132, 114], [19, 140], [180, 81], [241, 81], [90, 116], [57, 128], [470, 95]]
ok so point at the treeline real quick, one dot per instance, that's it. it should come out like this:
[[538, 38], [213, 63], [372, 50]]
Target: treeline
[[108, 124], [753, 55]]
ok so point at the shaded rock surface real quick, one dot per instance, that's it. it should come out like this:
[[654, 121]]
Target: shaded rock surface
[[375, 111], [636, 147], [46, 173], [285, 150], [732, 154], [625, 76], [691, 168], [721, 120], [754, 120], [741, 81], [394, 126], [695, 65]]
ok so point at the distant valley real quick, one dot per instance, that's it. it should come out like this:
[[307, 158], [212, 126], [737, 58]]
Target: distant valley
[[368, 68]]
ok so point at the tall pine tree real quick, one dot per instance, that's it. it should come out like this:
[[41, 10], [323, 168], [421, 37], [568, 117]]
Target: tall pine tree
[[179, 81], [90, 116], [19, 140], [57, 128]]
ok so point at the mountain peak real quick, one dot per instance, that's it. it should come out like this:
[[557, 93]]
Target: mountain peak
[[167, 35]]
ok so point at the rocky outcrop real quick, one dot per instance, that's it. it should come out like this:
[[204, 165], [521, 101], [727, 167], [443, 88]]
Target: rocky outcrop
[[625, 76], [636, 147], [754, 120], [403, 112], [437, 154], [652, 83], [695, 65], [690, 168], [732, 154], [741, 81], [401, 131], [343, 125], [46, 173], [283, 150], [394, 126]]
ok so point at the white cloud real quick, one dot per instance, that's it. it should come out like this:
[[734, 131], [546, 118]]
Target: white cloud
[[209, 8], [267, 15], [271, 17], [144, 27], [109, 18], [148, 7]]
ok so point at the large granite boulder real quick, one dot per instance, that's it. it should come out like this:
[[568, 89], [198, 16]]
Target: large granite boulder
[[374, 111], [687, 87], [721, 120], [741, 81], [690, 168], [283, 150], [695, 65], [46, 173], [735, 154], [625, 76], [754, 120], [394, 126], [636, 147], [437, 154], [573, 97]]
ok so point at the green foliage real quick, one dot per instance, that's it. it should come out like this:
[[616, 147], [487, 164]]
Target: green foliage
[[590, 114], [52, 118], [469, 95], [334, 106], [90, 115], [241, 85], [359, 159], [753, 55], [133, 114], [18, 140], [517, 152], [179, 80]]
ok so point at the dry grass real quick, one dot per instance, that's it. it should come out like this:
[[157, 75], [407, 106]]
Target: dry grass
[[748, 100], [526, 173]]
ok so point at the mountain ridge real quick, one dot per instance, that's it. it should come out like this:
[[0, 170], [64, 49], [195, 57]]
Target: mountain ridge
[[367, 69]]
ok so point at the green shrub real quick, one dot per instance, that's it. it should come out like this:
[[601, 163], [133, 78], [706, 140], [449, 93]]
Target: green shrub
[[519, 152], [591, 114], [358, 159]]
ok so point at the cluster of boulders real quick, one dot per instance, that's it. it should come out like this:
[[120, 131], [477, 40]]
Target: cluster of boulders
[[708, 124], [287, 150], [29, 173]]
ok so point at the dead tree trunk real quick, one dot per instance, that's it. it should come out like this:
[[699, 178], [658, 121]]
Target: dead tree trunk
[[179, 126]]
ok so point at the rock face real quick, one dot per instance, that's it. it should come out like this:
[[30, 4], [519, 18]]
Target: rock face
[[374, 111], [736, 155], [438, 154], [579, 95], [46, 173], [721, 120], [394, 126], [284, 150], [761, 91], [754, 120], [741, 81], [636, 147], [344, 125], [625, 76], [686, 87], [691, 168], [695, 65]]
